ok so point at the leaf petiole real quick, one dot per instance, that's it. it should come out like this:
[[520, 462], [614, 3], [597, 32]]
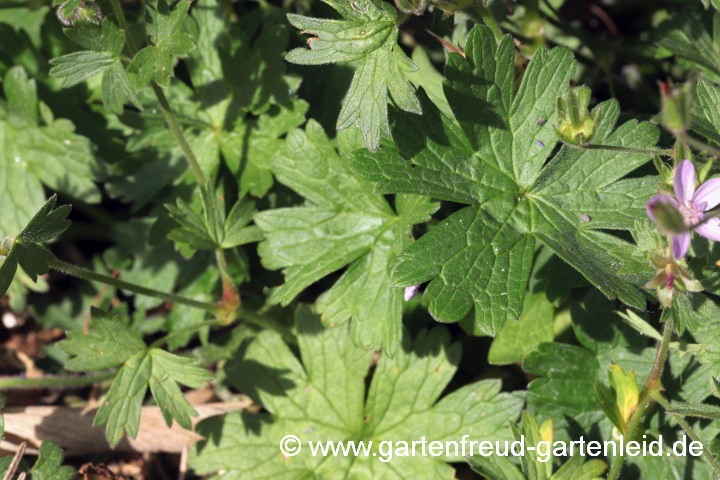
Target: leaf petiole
[[84, 273]]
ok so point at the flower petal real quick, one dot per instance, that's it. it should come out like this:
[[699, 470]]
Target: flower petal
[[685, 181], [708, 193], [680, 245], [710, 229], [656, 199]]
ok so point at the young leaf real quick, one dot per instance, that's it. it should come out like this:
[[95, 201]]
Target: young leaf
[[322, 398], [481, 255], [537, 462], [25, 249], [112, 343], [155, 62], [367, 36], [342, 223], [49, 465]]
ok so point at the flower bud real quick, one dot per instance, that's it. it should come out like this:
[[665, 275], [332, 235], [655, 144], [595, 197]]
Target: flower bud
[[666, 215], [575, 125], [676, 106], [73, 11]]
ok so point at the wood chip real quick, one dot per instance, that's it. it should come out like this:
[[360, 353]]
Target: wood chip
[[73, 431]]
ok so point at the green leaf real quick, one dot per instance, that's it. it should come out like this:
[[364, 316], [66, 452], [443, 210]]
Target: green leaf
[[322, 397], [155, 62], [536, 462], [120, 410], [148, 65], [49, 465], [685, 36], [32, 154], [192, 230], [236, 230], [48, 223], [251, 148], [706, 110], [366, 36], [496, 162], [117, 90], [75, 68], [519, 338], [342, 223], [112, 343], [167, 371]]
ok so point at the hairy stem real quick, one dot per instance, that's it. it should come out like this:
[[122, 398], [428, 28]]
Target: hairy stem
[[657, 396], [484, 15], [9, 383], [651, 386], [697, 144], [230, 293], [616, 148], [660, 356], [637, 415], [84, 273]]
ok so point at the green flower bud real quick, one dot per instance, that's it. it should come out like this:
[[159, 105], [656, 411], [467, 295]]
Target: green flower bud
[[575, 125], [72, 11], [676, 106], [666, 215]]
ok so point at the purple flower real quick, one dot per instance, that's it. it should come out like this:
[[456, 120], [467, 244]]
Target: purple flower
[[692, 205], [410, 292]]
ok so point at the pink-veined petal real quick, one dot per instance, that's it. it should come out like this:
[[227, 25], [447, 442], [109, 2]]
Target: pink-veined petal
[[708, 193], [656, 199], [685, 181], [710, 229], [680, 245]]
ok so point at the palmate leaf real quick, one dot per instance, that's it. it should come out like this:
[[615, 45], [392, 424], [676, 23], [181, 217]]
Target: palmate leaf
[[342, 223], [481, 255], [111, 343], [367, 36], [322, 397]]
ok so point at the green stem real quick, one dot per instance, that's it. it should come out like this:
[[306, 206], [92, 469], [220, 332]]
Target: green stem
[[117, 9], [616, 148], [651, 386], [192, 328], [86, 274], [178, 134], [8, 383], [697, 144], [657, 396], [617, 465], [660, 356], [230, 293]]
